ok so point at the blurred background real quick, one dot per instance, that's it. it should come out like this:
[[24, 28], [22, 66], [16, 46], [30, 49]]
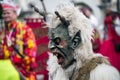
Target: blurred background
[[98, 6]]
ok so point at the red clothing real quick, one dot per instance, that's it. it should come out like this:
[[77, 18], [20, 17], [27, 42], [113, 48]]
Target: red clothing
[[108, 47], [20, 36]]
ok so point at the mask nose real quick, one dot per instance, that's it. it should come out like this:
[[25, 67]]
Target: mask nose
[[51, 45]]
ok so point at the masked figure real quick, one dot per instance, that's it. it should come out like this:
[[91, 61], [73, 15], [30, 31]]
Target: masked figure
[[72, 56]]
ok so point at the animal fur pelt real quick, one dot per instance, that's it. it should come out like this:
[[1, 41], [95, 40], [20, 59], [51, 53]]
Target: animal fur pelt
[[88, 65]]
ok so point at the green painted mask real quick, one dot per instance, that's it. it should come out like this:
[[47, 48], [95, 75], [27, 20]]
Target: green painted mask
[[61, 43]]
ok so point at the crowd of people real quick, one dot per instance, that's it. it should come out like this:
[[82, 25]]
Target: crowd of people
[[18, 41], [109, 45]]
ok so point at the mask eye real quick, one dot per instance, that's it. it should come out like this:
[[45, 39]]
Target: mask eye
[[57, 40]]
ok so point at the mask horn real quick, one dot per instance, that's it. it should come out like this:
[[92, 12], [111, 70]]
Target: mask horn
[[62, 19]]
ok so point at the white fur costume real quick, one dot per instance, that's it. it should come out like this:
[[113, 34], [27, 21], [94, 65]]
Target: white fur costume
[[82, 53]]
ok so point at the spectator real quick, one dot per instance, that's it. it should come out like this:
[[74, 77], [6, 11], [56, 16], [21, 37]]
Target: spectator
[[18, 43], [111, 43]]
